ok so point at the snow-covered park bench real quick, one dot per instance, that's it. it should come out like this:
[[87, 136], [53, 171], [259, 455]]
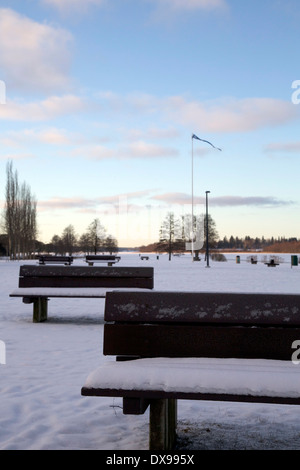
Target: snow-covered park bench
[[45, 259], [38, 283], [109, 259], [197, 346]]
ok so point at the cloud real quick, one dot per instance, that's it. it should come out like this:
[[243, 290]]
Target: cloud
[[138, 149], [230, 115], [141, 149], [69, 6], [190, 5], [289, 147], [81, 6], [152, 133], [50, 108], [51, 136], [258, 201], [175, 198], [221, 115], [33, 56], [223, 201], [58, 203], [17, 156], [121, 202]]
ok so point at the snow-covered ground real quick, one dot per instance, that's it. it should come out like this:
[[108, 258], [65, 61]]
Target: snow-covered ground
[[47, 363]]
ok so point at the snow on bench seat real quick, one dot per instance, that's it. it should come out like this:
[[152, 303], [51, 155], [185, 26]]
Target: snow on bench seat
[[58, 292], [65, 291], [194, 376]]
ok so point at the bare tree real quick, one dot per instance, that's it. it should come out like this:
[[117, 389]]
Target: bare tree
[[170, 234], [56, 244], [110, 244], [69, 240], [19, 216], [97, 234], [10, 210], [213, 235], [84, 243], [28, 224]]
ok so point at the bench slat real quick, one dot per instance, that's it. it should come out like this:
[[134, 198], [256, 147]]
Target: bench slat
[[77, 276], [160, 394], [204, 307], [76, 271], [196, 340], [86, 282]]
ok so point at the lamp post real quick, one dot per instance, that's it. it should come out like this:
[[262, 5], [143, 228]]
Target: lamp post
[[207, 253]]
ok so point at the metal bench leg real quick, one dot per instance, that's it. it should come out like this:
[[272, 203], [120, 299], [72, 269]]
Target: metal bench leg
[[40, 309], [163, 422]]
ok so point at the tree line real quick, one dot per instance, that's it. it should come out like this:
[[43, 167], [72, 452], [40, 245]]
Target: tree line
[[249, 243], [176, 232], [20, 231], [93, 241]]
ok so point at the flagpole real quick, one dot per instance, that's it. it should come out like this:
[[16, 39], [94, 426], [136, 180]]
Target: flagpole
[[192, 200], [207, 142]]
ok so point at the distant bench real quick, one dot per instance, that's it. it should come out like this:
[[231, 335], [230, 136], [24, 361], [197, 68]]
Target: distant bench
[[272, 262], [38, 283], [196, 346], [109, 259], [144, 257], [44, 259], [252, 259]]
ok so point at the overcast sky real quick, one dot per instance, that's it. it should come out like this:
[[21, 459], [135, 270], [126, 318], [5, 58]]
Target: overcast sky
[[102, 98]]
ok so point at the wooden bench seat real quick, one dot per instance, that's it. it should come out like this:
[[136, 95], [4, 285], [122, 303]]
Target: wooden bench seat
[[200, 346], [38, 283]]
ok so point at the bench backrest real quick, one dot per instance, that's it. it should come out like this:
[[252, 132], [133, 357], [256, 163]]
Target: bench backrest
[[185, 324], [83, 276], [100, 257]]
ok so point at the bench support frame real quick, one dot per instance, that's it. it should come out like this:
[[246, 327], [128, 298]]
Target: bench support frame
[[40, 308], [162, 424]]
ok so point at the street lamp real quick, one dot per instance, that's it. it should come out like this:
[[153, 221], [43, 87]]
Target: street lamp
[[207, 253]]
